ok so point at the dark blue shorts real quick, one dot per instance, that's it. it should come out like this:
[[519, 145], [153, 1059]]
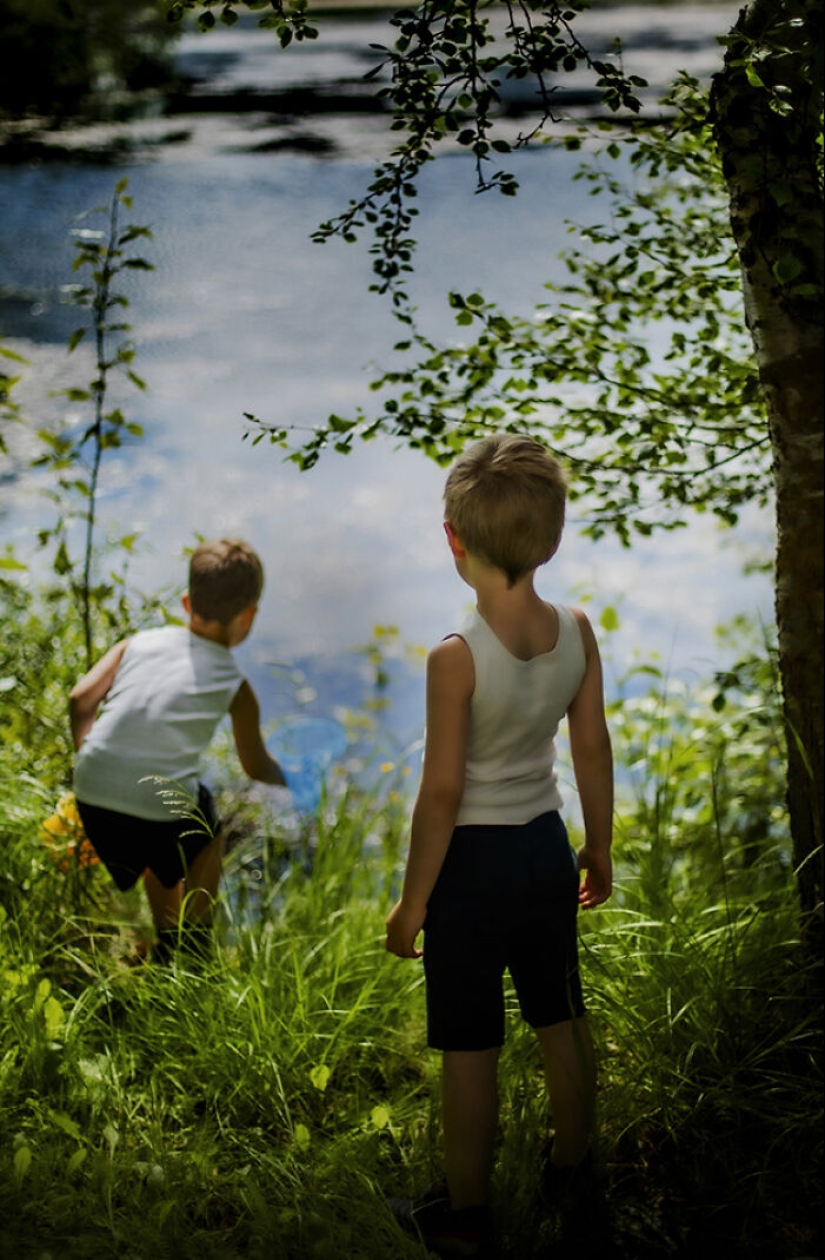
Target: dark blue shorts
[[127, 845], [506, 897]]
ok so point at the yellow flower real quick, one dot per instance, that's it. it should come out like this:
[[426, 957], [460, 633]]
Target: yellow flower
[[63, 833]]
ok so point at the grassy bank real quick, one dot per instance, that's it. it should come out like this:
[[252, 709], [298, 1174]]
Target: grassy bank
[[262, 1105]]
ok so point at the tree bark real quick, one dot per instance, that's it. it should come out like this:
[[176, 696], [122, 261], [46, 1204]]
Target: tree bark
[[767, 117]]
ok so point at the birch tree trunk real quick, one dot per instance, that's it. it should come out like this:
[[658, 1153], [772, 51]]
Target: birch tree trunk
[[767, 105]]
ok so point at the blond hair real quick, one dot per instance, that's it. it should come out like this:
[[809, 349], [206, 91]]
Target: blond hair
[[225, 577], [504, 498]]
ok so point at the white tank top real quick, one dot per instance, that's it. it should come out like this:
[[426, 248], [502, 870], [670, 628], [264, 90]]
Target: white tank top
[[171, 689], [515, 712]]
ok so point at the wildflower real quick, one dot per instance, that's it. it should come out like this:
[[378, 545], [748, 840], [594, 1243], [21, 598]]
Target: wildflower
[[63, 833]]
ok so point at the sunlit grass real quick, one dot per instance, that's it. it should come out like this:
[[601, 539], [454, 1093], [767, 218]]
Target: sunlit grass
[[263, 1105]]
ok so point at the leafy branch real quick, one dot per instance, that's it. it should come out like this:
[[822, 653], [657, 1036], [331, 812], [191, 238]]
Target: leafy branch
[[446, 70], [640, 430], [442, 78]]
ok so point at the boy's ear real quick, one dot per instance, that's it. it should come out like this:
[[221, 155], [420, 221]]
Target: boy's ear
[[187, 603], [456, 546]]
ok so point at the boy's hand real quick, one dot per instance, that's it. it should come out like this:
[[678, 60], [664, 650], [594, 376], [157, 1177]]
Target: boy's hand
[[403, 926], [598, 880]]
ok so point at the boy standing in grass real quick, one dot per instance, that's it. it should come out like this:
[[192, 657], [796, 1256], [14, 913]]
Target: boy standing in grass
[[163, 692], [491, 877]]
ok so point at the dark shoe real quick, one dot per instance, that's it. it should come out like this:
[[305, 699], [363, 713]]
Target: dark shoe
[[562, 1182], [468, 1232], [163, 951]]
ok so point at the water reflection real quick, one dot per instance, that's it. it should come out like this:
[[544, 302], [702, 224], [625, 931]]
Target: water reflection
[[243, 313]]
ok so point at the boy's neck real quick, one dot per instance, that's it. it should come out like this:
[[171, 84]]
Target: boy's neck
[[228, 634], [214, 631], [518, 616], [494, 594], [497, 600]]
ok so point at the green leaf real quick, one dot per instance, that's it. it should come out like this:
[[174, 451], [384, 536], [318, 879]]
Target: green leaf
[[320, 1077], [22, 1163], [379, 1117], [75, 339], [73, 395], [786, 269], [75, 1161], [781, 193], [12, 354], [54, 1017], [61, 563], [67, 1124], [609, 620]]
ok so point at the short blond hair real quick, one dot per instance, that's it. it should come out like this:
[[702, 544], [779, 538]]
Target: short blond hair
[[225, 577], [505, 498]]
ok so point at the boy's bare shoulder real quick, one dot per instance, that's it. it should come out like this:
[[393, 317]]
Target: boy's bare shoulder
[[585, 627], [449, 651], [450, 664]]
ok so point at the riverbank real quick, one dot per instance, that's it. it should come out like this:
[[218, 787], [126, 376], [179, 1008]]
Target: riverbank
[[264, 1101]]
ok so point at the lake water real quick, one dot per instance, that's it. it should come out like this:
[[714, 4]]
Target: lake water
[[243, 313]]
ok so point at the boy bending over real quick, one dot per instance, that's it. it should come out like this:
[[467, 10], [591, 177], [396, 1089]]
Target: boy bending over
[[162, 693], [491, 876]]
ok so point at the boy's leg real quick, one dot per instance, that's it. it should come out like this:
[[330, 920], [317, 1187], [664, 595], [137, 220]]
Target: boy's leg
[[570, 1069], [202, 881], [470, 1114], [165, 903]]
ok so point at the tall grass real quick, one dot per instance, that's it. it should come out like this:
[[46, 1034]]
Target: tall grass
[[263, 1105]]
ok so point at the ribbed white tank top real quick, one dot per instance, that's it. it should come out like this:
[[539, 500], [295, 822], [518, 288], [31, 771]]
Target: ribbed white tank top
[[515, 712], [171, 689]]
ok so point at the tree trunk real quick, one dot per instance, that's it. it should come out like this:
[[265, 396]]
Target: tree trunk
[[767, 115]]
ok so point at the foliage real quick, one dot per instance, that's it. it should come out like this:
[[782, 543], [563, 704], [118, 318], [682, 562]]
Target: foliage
[[646, 432], [266, 1104], [39, 663], [57, 53], [104, 253], [445, 72], [9, 408], [704, 768]]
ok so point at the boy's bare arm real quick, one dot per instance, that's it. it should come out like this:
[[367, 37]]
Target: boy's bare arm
[[450, 683], [91, 690], [593, 768], [246, 727]]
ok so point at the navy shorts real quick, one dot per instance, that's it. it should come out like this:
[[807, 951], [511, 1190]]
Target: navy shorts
[[128, 845], [506, 897]]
